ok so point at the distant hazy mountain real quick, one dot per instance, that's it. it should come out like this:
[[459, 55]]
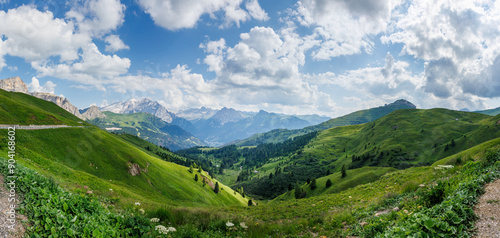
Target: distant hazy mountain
[[228, 125], [193, 114], [151, 107], [491, 112], [358, 117]]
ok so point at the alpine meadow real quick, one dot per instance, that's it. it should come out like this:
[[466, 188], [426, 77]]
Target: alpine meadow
[[249, 118]]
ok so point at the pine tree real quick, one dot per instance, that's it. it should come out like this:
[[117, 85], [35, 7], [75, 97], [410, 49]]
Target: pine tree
[[196, 177], [344, 172], [250, 203], [453, 143], [308, 180], [298, 191], [328, 183], [191, 169], [313, 184], [290, 187], [216, 189]]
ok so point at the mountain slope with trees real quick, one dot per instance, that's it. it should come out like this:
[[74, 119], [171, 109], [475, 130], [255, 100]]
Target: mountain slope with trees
[[355, 118], [150, 128]]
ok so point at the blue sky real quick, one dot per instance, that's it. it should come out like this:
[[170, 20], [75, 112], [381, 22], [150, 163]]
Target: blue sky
[[327, 57]]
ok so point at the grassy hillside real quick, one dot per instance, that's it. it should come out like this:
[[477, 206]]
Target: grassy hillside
[[23, 109], [150, 128], [90, 160], [402, 139], [355, 118], [79, 157], [427, 200], [356, 177]]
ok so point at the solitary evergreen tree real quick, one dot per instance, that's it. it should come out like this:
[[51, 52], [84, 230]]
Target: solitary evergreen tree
[[344, 172], [298, 191], [270, 175], [250, 203], [216, 189], [308, 180], [191, 169], [196, 177], [290, 187], [453, 143], [313, 184], [328, 183]]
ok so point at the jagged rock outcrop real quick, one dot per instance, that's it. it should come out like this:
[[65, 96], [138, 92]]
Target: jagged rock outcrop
[[14, 84], [92, 112], [60, 101], [134, 169]]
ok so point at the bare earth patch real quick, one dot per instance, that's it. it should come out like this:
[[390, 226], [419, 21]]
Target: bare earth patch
[[5, 204], [488, 211]]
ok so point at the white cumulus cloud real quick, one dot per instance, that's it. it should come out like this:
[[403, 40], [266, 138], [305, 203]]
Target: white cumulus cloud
[[48, 87], [178, 14]]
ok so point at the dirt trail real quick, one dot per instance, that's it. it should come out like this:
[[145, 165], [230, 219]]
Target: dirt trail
[[488, 211], [5, 204]]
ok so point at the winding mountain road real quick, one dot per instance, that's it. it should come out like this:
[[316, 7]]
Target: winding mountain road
[[37, 127]]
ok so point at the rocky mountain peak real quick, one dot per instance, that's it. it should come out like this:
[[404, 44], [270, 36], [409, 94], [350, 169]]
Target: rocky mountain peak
[[404, 103], [14, 84], [92, 112], [60, 101]]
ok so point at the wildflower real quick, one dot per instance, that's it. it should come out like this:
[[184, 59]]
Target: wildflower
[[155, 219], [161, 229], [243, 225], [229, 224], [137, 203], [142, 211], [110, 189], [171, 229]]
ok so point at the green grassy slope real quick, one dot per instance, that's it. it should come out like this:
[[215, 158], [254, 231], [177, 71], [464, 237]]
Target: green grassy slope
[[404, 138], [150, 128], [79, 157], [89, 159], [356, 177], [355, 118], [23, 109]]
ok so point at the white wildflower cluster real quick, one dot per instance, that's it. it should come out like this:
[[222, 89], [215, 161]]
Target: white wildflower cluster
[[155, 219], [137, 203], [163, 230], [444, 167], [142, 211], [231, 225]]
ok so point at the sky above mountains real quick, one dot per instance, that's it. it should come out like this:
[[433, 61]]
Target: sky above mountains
[[327, 57]]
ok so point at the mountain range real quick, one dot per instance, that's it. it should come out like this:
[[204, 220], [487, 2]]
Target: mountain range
[[216, 127]]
